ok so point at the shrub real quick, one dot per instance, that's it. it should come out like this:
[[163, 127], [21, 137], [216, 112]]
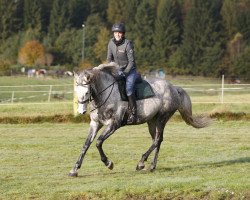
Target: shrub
[[5, 67]]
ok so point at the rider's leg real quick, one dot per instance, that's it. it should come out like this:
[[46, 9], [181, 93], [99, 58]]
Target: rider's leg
[[130, 83], [132, 109]]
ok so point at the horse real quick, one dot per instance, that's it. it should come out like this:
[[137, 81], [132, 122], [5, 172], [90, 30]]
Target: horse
[[98, 87]]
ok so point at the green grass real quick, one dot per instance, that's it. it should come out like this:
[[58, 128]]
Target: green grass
[[24, 80], [30, 110], [24, 89], [26, 110], [210, 163]]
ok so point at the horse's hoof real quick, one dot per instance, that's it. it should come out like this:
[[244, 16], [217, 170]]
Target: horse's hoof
[[73, 173], [110, 165], [152, 168], [140, 166]]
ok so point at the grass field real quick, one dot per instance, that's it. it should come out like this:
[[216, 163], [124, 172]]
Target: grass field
[[67, 108], [36, 90], [210, 163], [34, 108]]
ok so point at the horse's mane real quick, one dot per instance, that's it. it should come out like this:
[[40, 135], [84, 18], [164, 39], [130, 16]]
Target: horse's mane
[[109, 68]]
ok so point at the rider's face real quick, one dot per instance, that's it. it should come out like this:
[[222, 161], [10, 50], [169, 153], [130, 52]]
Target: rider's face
[[118, 35]]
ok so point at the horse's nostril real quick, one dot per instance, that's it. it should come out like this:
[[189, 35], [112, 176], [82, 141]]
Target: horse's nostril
[[81, 108]]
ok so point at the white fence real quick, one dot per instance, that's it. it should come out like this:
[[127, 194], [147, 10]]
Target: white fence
[[203, 93], [35, 93]]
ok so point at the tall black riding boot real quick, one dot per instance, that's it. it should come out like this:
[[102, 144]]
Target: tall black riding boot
[[132, 109]]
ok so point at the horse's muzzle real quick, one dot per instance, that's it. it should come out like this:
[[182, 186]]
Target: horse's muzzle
[[82, 108]]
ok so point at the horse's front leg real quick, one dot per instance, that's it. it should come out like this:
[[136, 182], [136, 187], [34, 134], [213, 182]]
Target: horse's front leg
[[94, 128], [110, 129]]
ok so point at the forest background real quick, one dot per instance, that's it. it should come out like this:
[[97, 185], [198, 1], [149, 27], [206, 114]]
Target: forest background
[[186, 37]]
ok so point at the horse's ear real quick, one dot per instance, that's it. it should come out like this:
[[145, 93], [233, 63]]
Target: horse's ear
[[75, 74], [88, 76]]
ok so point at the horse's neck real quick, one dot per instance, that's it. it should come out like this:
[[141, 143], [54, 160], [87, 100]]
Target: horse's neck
[[102, 85]]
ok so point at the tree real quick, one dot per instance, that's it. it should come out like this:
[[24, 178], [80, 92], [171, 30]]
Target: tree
[[241, 65], [100, 47], [59, 19], [33, 15], [229, 16], [48, 59], [129, 17], [116, 11], [70, 38], [78, 12], [243, 19], [9, 48], [144, 29], [92, 29], [167, 34], [11, 15], [202, 46], [32, 54], [4, 67], [98, 7]]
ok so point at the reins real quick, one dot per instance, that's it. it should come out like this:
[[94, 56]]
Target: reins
[[98, 106]]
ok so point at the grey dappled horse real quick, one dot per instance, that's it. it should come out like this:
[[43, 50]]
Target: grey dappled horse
[[99, 88]]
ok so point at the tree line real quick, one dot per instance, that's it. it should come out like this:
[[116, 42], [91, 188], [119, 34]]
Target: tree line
[[193, 37]]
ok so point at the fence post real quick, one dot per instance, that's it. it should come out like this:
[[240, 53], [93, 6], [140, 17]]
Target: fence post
[[222, 89], [12, 96], [50, 91], [75, 103]]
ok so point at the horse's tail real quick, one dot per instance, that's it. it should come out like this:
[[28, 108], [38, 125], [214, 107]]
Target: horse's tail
[[185, 109]]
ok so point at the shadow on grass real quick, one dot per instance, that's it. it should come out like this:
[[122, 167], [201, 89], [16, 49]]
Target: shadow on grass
[[209, 164], [175, 169]]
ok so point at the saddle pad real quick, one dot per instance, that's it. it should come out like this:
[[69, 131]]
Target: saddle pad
[[143, 90]]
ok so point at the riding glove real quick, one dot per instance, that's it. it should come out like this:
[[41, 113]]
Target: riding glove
[[121, 73]]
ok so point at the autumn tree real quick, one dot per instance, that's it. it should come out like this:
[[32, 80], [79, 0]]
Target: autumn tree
[[32, 54]]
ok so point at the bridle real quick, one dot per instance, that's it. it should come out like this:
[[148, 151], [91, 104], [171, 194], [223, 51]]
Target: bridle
[[90, 99]]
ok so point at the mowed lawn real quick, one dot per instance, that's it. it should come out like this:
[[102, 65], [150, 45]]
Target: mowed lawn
[[209, 163]]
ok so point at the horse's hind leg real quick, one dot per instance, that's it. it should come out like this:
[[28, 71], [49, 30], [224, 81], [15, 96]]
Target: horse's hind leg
[[152, 131], [160, 125], [157, 149]]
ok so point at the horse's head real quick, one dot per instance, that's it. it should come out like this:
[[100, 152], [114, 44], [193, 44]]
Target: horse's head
[[82, 89]]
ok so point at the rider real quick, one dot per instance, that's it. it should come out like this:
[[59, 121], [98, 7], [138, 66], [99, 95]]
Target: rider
[[121, 51]]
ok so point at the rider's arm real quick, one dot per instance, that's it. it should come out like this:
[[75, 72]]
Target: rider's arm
[[131, 58], [110, 56]]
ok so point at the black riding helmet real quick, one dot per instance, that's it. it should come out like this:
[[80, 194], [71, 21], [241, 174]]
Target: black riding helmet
[[118, 27]]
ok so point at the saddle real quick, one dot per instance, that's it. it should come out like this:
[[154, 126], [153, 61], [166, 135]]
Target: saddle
[[143, 90]]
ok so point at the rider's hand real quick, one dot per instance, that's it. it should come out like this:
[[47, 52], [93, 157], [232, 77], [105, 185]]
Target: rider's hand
[[121, 73]]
